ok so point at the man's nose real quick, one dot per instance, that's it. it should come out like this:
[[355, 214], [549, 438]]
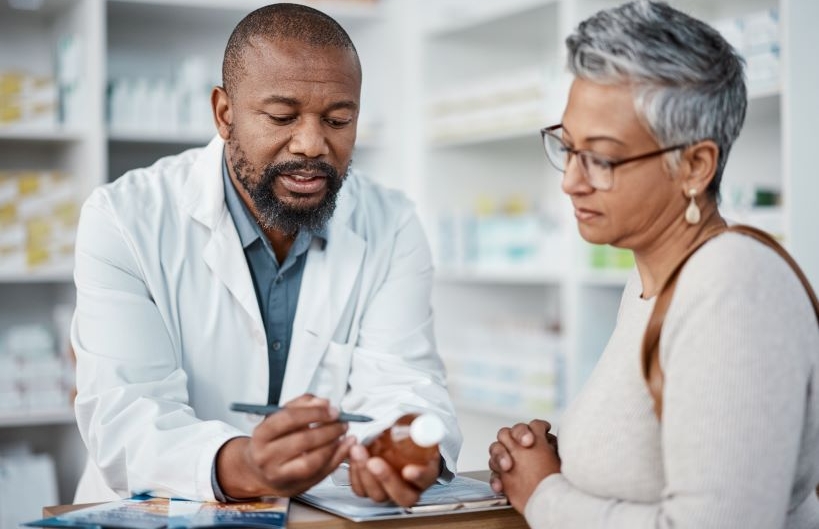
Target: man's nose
[[308, 139]]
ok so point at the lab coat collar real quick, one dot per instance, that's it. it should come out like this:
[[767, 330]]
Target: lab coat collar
[[329, 276]]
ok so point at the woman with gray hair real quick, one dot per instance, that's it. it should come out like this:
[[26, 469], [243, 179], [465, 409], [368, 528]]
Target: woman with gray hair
[[726, 432]]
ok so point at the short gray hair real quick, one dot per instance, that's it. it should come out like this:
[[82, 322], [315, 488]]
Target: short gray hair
[[689, 82]]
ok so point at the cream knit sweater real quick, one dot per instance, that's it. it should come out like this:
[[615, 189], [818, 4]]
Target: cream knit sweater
[[739, 442]]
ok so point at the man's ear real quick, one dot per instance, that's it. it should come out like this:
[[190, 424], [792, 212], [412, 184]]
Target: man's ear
[[699, 165], [222, 111]]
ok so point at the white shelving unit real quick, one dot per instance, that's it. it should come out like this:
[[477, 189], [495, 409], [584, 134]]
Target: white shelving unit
[[28, 42], [423, 60]]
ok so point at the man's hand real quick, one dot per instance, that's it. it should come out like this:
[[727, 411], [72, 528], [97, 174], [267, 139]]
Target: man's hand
[[372, 477], [521, 458], [289, 451]]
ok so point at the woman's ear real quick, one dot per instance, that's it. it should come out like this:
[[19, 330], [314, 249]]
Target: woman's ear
[[222, 111], [699, 165]]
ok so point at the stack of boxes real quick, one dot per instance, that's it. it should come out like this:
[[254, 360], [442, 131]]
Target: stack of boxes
[[33, 375], [510, 103], [511, 236], [38, 218], [28, 100], [506, 368]]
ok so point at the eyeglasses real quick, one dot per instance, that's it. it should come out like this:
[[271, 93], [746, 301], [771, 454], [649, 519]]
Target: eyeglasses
[[596, 168]]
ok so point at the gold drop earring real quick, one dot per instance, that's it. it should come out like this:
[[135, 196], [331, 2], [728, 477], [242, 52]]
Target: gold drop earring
[[692, 212]]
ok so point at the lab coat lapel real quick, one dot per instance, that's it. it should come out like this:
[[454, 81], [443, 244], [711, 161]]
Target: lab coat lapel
[[223, 253], [326, 288]]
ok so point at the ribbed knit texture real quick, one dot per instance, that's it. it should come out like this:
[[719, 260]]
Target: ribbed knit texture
[[739, 442]]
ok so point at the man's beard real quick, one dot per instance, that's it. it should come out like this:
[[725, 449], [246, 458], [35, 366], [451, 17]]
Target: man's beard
[[273, 213]]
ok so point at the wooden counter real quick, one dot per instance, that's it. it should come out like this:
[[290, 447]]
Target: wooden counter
[[305, 517]]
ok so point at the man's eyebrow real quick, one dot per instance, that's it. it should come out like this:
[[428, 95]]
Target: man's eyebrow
[[342, 105], [281, 99], [289, 101]]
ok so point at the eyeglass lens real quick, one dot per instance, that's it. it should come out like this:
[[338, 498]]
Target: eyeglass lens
[[596, 170]]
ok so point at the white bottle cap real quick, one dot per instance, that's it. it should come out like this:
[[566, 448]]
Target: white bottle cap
[[427, 430]]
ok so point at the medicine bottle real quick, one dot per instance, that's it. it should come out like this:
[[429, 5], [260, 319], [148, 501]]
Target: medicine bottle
[[412, 439]]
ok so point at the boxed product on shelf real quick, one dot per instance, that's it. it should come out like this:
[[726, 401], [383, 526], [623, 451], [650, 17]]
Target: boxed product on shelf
[[35, 375], [604, 256], [27, 100], [510, 367], [38, 216], [507, 238], [506, 103]]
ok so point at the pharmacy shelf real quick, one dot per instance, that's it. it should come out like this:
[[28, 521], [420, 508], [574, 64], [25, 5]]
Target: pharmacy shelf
[[479, 16], [488, 136], [506, 275], [21, 418], [364, 10], [764, 92], [511, 415], [40, 134], [605, 278], [160, 137], [51, 276]]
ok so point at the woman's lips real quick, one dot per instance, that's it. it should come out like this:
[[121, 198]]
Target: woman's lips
[[585, 215]]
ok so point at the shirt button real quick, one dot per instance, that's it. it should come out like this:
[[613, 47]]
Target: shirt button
[[277, 280], [277, 345]]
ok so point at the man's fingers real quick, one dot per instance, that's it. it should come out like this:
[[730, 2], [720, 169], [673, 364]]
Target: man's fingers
[[313, 466], [421, 476], [358, 458], [342, 452], [307, 399], [292, 445], [369, 483], [392, 483], [292, 419]]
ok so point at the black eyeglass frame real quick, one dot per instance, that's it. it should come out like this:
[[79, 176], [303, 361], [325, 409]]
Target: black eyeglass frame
[[611, 163]]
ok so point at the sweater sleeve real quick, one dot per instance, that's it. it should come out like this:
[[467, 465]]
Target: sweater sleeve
[[738, 351]]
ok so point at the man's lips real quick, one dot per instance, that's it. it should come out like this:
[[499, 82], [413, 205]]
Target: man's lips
[[303, 182]]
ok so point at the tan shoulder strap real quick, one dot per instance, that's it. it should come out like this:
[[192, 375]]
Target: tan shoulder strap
[[651, 340]]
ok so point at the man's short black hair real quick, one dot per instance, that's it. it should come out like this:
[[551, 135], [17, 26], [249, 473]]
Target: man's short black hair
[[282, 22]]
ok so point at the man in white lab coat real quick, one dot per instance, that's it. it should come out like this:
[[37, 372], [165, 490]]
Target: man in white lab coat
[[246, 271]]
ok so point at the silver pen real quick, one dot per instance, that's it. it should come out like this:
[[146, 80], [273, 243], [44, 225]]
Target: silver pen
[[269, 409]]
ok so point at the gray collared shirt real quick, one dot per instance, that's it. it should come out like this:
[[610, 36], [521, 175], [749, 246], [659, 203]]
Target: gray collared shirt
[[277, 286]]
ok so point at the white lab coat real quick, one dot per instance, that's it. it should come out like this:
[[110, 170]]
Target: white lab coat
[[167, 329]]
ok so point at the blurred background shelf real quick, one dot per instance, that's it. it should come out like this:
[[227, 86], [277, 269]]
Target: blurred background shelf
[[454, 95], [40, 134], [13, 419]]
